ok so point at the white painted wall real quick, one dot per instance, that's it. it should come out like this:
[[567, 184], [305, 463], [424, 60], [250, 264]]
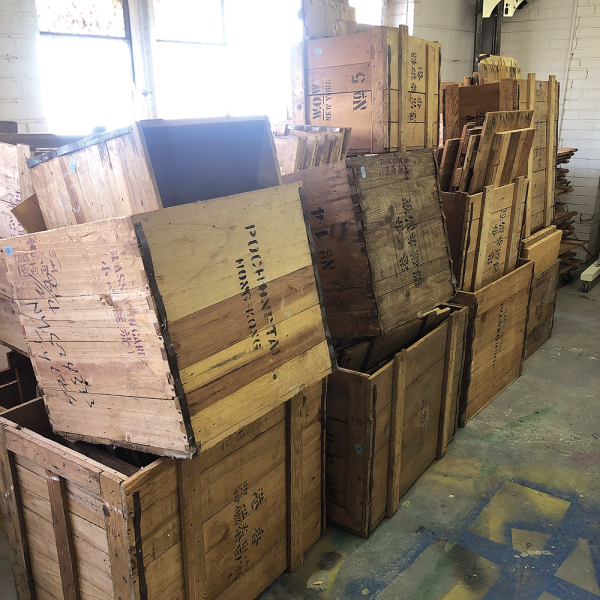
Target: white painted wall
[[450, 22], [538, 36], [20, 89]]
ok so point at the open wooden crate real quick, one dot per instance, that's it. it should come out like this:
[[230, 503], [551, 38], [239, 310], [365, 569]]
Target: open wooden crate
[[385, 426], [495, 338], [379, 233], [84, 524], [151, 165], [170, 330], [383, 83]]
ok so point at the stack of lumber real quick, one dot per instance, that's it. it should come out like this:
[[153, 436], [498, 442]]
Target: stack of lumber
[[463, 105], [382, 251], [497, 68], [301, 147], [564, 218], [381, 82], [484, 200], [391, 410]]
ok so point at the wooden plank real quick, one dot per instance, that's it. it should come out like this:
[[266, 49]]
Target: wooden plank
[[14, 523], [495, 122], [380, 116], [116, 535], [446, 423], [446, 167], [545, 252], [484, 229], [396, 429], [516, 224], [295, 513], [63, 536], [451, 94], [551, 143], [404, 78], [190, 494]]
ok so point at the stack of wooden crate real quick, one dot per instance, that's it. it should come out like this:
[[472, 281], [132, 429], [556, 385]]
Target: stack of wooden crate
[[381, 82], [384, 264], [188, 323]]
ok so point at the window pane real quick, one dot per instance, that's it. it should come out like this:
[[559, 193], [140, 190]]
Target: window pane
[[86, 82], [189, 21], [89, 17], [190, 80]]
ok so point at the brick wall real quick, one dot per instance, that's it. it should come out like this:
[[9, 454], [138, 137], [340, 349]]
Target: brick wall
[[450, 22], [538, 36], [20, 88]]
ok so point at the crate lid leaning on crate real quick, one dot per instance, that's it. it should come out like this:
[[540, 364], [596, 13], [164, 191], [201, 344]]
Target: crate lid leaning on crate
[[170, 330]]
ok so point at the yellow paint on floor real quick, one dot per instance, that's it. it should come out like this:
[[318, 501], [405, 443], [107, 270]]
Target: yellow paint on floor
[[532, 543], [461, 592], [579, 570], [514, 503]]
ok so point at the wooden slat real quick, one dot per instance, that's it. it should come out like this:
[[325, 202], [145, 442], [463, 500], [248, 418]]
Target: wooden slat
[[448, 402], [482, 238], [516, 224], [10, 501], [116, 534], [295, 512], [551, 143], [63, 536], [396, 429], [190, 498]]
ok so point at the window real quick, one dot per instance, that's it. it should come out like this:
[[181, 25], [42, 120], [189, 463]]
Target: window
[[195, 21], [85, 64]]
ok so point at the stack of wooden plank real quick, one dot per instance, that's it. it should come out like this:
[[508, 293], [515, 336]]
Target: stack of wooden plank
[[497, 68], [470, 104], [194, 332], [564, 218], [301, 147], [382, 82]]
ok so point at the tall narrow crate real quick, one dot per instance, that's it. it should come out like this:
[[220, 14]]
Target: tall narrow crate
[[383, 83], [384, 428], [380, 237], [170, 330], [82, 524], [495, 339]]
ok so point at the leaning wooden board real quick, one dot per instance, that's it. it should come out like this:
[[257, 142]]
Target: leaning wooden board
[[381, 241], [542, 305], [221, 526], [495, 339], [383, 83], [384, 429], [170, 330]]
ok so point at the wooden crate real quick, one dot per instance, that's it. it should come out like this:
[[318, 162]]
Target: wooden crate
[[153, 164], [382, 83], [385, 428], [380, 237], [542, 305], [484, 232], [463, 104], [495, 339], [170, 330], [84, 524]]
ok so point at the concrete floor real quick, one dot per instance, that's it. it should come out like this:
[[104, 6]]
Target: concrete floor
[[512, 512]]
